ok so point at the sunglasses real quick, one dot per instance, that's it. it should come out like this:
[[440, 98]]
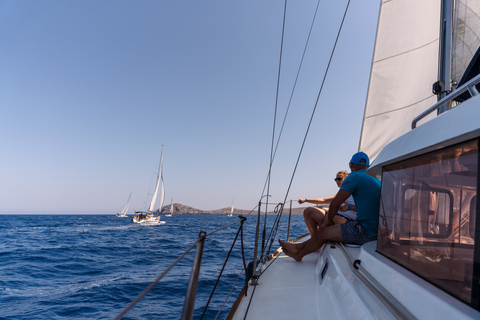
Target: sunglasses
[[338, 179]]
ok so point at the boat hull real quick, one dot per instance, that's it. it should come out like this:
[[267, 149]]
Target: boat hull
[[150, 221]]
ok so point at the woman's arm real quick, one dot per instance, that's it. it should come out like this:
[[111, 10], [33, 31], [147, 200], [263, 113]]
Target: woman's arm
[[317, 200]]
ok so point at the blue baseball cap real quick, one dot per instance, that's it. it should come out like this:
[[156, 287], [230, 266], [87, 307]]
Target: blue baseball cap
[[358, 157]]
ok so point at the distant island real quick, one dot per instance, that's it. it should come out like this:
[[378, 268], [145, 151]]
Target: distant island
[[183, 209]]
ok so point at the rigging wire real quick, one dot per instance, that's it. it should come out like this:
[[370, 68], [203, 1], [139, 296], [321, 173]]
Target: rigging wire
[[276, 106], [292, 93], [272, 158], [311, 120]]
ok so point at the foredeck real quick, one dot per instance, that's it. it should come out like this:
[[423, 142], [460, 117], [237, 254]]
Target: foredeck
[[276, 287]]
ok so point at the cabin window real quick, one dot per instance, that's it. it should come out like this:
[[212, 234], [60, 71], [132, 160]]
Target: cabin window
[[428, 218]]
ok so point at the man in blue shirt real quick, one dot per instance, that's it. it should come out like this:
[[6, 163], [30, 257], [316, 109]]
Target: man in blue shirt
[[365, 190]]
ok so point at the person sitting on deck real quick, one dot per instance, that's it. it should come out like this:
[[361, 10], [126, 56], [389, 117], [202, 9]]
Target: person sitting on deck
[[314, 216], [366, 193]]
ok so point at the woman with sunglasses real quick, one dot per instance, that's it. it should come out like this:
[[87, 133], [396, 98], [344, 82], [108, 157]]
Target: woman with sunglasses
[[314, 216]]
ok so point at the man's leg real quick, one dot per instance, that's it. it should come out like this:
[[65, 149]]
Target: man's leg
[[322, 235], [314, 218]]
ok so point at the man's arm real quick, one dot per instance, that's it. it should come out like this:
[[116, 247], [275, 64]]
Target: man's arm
[[339, 199]]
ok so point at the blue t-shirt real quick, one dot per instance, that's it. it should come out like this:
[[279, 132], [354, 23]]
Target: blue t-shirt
[[365, 190]]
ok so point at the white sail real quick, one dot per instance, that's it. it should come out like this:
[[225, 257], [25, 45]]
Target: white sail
[[162, 194], [407, 41], [171, 208], [231, 209], [466, 36], [125, 209], [158, 184]]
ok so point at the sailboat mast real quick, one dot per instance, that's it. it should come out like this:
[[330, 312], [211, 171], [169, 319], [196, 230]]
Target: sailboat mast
[[444, 85]]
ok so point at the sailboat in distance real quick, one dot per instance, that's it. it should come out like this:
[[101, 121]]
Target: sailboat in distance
[[169, 214], [147, 217], [123, 213], [231, 209]]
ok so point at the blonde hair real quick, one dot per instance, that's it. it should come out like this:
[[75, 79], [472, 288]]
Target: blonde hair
[[343, 174]]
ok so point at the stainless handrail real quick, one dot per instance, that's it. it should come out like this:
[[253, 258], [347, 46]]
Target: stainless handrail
[[257, 231], [469, 86], [289, 219], [396, 308]]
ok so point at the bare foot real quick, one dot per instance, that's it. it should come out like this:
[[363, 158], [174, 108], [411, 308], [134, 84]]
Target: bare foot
[[290, 249]]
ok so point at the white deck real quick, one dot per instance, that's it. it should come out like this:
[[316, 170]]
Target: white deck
[[273, 294], [296, 290]]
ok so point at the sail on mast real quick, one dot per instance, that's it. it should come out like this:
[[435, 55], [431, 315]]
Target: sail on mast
[[407, 41], [125, 209], [159, 184]]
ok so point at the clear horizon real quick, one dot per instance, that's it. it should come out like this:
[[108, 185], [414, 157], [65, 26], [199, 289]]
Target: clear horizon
[[92, 90]]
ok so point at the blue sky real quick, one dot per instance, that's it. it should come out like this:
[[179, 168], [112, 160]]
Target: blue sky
[[91, 90]]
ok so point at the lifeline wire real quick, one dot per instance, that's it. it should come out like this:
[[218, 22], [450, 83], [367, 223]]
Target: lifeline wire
[[154, 283], [240, 229]]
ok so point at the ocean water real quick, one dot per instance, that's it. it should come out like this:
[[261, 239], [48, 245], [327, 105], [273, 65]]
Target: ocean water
[[93, 266]]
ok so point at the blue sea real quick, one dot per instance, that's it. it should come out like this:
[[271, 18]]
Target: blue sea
[[93, 266]]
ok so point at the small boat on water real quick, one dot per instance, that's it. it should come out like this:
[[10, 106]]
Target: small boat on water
[[123, 213], [170, 212], [147, 217], [425, 263], [231, 209]]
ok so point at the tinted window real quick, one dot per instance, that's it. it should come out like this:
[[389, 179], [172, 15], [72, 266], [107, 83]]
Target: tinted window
[[427, 216]]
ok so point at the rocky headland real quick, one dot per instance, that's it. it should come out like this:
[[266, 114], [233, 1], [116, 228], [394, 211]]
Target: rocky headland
[[183, 209]]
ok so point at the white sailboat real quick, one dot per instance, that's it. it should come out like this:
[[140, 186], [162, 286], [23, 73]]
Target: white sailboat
[[231, 209], [170, 212], [148, 217], [425, 263], [123, 213]]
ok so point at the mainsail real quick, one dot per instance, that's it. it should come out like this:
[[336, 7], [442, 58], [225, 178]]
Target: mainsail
[[409, 40], [125, 209], [159, 187]]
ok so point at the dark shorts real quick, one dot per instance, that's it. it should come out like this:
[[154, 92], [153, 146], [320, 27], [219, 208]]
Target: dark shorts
[[354, 233], [346, 218]]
